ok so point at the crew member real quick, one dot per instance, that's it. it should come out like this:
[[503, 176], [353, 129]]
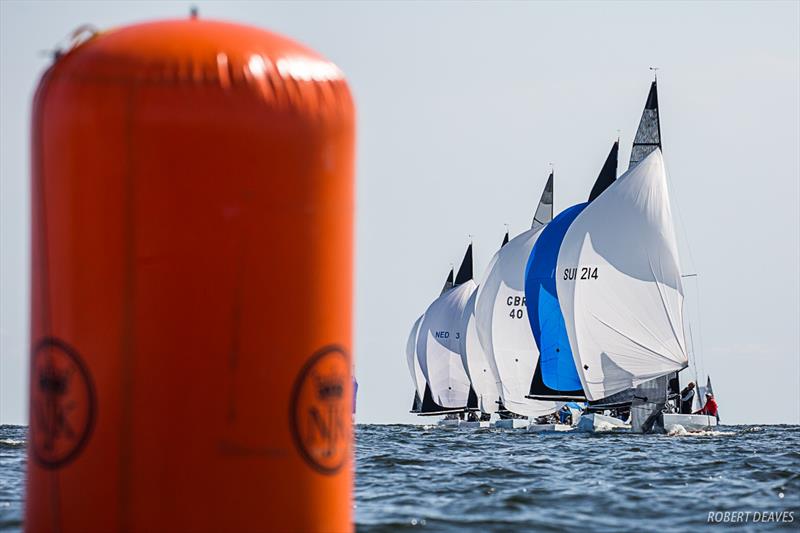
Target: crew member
[[687, 396], [710, 408], [565, 415]]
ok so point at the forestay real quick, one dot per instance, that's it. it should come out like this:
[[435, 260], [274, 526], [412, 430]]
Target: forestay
[[619, 284]]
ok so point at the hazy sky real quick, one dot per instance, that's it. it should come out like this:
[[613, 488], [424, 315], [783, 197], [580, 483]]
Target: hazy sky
[[461, 107]]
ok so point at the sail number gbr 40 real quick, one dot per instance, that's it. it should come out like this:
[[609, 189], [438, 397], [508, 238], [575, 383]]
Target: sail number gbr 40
[[517, 305]]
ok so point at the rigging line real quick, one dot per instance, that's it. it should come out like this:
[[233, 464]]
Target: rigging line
[[700, 324], [692, 264], [694, 354], [671, 184]]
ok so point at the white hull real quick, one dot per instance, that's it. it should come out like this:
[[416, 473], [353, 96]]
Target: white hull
[[595, 422], [689, 422], [466, 424], [447, 422], [548, 428], [512, 423]]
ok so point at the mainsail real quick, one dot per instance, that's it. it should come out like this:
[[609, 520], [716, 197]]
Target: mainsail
[[500, 319], [648, 135], [555, 376], [619, 284], [439, 342]]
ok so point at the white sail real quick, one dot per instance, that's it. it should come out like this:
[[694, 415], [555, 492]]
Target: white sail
[[503, 327], [417, 377], [619, 285], [476, 361], [439, 347]]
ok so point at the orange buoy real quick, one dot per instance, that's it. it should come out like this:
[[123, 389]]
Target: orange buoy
[[192, 257]]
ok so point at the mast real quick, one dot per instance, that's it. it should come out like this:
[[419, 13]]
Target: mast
[[648, 135]]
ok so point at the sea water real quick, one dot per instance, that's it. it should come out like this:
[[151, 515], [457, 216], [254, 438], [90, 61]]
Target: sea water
[[445, 479]]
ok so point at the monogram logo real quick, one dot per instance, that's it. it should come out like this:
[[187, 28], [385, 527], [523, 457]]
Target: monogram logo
[[62, 403], [319, 410]]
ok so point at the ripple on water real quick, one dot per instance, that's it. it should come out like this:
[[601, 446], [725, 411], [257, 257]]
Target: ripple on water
[[411, 478], [513, 480]]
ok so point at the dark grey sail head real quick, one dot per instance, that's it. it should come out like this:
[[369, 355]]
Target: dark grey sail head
[[648, 135], [505, 239], [465, 270], [607, 174], [448, 283], [544, 211]]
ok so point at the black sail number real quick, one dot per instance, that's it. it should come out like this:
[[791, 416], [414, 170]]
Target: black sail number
[[580, 273]]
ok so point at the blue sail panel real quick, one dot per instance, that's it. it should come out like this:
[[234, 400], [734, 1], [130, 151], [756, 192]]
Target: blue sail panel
[[544, 312]]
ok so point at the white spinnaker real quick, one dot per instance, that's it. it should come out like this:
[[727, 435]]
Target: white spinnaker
[[439, 347], [625, 325], [411, 358], [476, 361], [508, 340]]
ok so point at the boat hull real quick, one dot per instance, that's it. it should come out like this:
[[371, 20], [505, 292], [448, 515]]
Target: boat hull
[[468, 424], [512, 423], [549, 428], [689, 422], [595, 422], [448, 423]]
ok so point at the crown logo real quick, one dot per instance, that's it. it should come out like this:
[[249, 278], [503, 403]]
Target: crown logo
[[51, 381], [329, 387]]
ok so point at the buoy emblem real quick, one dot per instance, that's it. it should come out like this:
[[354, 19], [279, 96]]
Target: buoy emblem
[[319, 410], [62, 403]]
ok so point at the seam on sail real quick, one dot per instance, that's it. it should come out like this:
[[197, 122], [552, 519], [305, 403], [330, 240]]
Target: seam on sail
[[666, 310], [645, 348]]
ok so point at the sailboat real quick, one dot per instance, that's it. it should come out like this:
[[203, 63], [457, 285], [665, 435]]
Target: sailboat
[[555, 377], [476, 363], [424, 404], [503, 330], [619, 288], [438, 345]]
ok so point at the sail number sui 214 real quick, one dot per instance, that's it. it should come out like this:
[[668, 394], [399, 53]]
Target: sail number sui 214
[[580, 273]]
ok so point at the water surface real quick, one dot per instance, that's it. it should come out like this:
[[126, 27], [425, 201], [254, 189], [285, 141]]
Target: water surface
[[444, 479]]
